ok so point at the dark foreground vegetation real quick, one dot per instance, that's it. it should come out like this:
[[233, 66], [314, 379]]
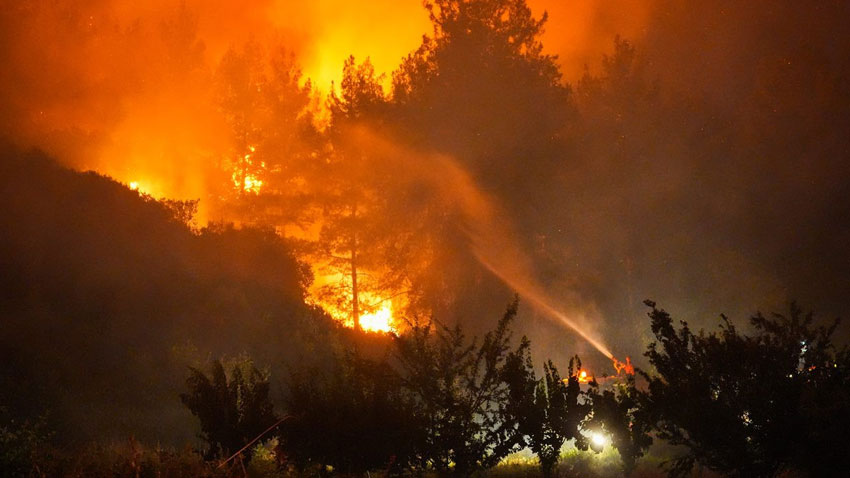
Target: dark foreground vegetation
[[775, 402]]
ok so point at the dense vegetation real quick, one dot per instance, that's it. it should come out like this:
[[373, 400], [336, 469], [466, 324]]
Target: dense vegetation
[[107, 297]]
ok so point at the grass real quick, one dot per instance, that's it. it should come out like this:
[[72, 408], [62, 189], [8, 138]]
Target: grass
[[133, 460]]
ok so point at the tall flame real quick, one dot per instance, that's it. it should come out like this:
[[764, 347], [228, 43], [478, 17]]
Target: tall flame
[[380, 320]]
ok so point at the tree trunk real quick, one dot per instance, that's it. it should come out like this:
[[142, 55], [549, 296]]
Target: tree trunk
[[355, 299]]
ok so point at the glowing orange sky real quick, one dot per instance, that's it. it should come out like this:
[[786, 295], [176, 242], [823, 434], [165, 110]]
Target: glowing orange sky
[[579, 31], [111, 103], [324, 32]]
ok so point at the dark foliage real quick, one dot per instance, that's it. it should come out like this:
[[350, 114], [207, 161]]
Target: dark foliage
[[21, 444], [618, 413], [460, 394], [233, 410], [106, 295], [751, 405], [353, 416], [549, 410]]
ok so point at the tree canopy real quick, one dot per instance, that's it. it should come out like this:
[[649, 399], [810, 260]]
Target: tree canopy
[[750, 404]]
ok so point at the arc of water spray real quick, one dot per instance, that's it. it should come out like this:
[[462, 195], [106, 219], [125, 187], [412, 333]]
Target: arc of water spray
[[542, 303], [493, 240], [496, 248]]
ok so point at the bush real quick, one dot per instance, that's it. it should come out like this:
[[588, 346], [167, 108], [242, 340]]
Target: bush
[[461, 396], [354, 417], [232, 411], [549, 410], [20, 444], [751, 405]]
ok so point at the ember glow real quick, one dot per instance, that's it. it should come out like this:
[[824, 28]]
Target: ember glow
[[379, 321], [245, 175], [375, 312]]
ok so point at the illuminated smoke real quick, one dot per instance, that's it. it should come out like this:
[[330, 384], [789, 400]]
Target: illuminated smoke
[[124, 88], [496, 248], [137, 101], [493, 240]]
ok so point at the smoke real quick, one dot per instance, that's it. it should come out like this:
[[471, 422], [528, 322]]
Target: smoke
[[496, 245], [124, 88], [707, 176], [580, 32], [491, 233]]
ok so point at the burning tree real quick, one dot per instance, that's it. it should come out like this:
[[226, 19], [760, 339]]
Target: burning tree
[[352, 232], [273, 140]]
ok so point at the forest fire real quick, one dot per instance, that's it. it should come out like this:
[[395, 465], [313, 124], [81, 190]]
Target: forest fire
[[373, 313], [385, 219], [245, 177], [141, 187]]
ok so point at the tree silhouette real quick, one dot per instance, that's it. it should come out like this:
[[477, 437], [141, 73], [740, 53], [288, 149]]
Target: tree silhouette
[[549, 410], [750, 405], [271, 162], [232, 410], [351, 201], [481, 88], [618, 413], [461, 395]]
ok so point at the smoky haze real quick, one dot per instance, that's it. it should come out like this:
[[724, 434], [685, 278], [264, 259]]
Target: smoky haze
[[694, 154]]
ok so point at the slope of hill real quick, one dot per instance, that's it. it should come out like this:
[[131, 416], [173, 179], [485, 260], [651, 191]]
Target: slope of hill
[[106, 297]]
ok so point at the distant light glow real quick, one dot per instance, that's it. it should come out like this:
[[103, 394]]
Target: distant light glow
[[134, 185], [598, 440]]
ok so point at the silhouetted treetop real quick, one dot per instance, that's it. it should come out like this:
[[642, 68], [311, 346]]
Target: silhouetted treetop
[[361, 92], [479, 38], [505, 24]]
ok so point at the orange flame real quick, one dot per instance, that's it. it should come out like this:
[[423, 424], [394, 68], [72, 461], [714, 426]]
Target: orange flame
[[624, 367], [243, 179], [379, 321], [377, 312]]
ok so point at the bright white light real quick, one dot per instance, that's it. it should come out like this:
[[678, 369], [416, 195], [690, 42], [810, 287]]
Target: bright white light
[[598, 439]]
